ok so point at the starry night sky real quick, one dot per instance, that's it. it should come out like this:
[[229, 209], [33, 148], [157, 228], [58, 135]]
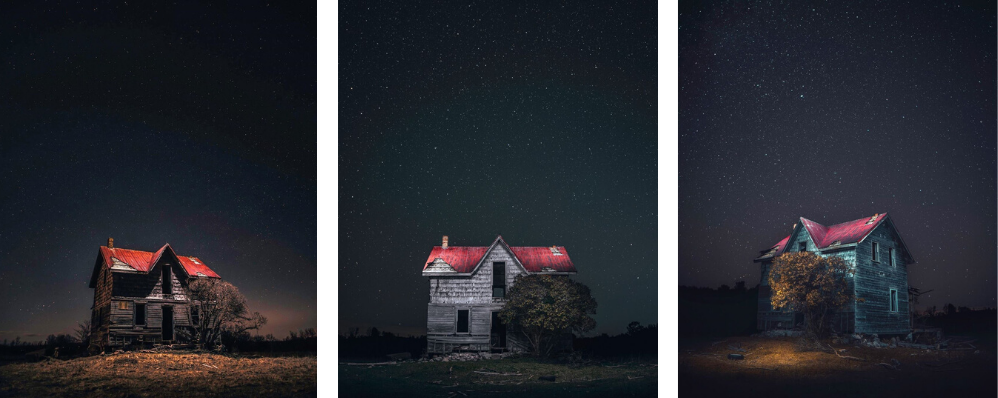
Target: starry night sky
[[473, 119], [185, 123], [834, 112]]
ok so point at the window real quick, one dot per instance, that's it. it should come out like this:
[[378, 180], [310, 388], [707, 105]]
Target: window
[[876, 252], [462, 321], [499, 279], [802, 247], [140, 314], [195, 316], [122, 305], [890, 256], [167, 280], [894, 300]]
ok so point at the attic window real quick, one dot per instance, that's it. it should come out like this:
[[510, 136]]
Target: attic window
[[555, 251]]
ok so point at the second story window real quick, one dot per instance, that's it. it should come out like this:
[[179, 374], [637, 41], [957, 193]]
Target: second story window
[[890, 256], [499, 279], [876, 252], [802, 246]]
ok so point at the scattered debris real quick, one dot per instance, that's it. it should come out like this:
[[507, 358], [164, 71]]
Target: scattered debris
[[497, 373], [736, 356], [635, 377], [400, 356], [836, 352]]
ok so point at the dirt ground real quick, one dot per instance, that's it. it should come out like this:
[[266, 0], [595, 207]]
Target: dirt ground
[[161, 375], [774, 368], [517, 378]]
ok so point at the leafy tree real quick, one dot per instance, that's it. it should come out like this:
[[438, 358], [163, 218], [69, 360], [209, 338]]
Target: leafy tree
[[218, 308], [544, 306], [810, 284]]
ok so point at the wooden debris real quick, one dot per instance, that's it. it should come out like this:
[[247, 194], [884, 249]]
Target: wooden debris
[[635, 377]]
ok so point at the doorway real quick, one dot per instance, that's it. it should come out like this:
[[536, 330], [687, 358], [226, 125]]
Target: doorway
[[167, 323], [498, 340]]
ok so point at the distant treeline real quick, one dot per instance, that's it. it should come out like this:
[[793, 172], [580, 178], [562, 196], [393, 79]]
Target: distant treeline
[[638, 341], [725, 311], [706, 313], [304, 340]]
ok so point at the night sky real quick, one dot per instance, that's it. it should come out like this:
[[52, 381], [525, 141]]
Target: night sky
[[473, 119], [189, 123], [833, 112]]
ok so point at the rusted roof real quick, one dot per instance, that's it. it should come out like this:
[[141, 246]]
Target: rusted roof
[[144, 261], [534, 259], [840, 234]]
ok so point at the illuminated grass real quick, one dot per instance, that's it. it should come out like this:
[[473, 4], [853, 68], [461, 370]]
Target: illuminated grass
[[161, 375]]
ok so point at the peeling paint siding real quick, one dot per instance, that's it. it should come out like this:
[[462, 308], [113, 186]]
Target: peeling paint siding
[[874, 315]]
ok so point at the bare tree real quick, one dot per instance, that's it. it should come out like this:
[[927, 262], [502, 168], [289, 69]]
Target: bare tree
[[83, 332], [217, 307]]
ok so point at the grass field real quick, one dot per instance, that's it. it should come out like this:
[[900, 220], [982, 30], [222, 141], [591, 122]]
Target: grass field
[[458, 379], [773, 368], [161, 375]]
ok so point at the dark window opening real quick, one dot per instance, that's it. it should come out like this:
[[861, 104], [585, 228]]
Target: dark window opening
[[802, 247], [167, 280], [499, 279], [890, 255], [462, 321], [894, 300], [140, 314], [876, 252], [195, 316]]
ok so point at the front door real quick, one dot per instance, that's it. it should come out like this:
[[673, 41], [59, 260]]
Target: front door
[[167, 323], [498, 340]]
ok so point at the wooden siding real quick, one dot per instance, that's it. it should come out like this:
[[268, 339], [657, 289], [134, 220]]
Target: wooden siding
[[101, 313], [477, 288], [874, 281]]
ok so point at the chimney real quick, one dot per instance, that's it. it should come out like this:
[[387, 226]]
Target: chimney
[[110, 243], [444, 245]]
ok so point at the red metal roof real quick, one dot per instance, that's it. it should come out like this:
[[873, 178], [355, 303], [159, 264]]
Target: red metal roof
[[144, 261], [844, 233], [464, 258], [823, 237]]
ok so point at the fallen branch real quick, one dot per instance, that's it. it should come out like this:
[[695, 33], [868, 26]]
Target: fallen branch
[[455, 385], [368, 364], [834, 351], [497, 374], [210, 366], [636, 377]]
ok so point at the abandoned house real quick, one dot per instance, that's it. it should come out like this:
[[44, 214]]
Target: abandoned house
[[879, 258], [468, 286], [139, 296]]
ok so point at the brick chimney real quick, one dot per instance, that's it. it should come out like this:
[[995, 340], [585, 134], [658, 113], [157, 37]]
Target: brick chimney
[[110, 243], [444, 245]]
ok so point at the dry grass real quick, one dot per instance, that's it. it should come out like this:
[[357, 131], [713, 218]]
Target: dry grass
[[769, 362], [161, 375]]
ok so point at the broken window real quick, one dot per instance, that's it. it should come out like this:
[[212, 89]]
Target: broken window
[[167, 280], [894, 300], [802, 247], [876, 252], [195, 316], [140, 314], [462, 321], [499, 279], [890, 256]]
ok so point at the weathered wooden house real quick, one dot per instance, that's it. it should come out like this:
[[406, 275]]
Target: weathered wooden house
[[468, 286], [140, 297], [879, 257]]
